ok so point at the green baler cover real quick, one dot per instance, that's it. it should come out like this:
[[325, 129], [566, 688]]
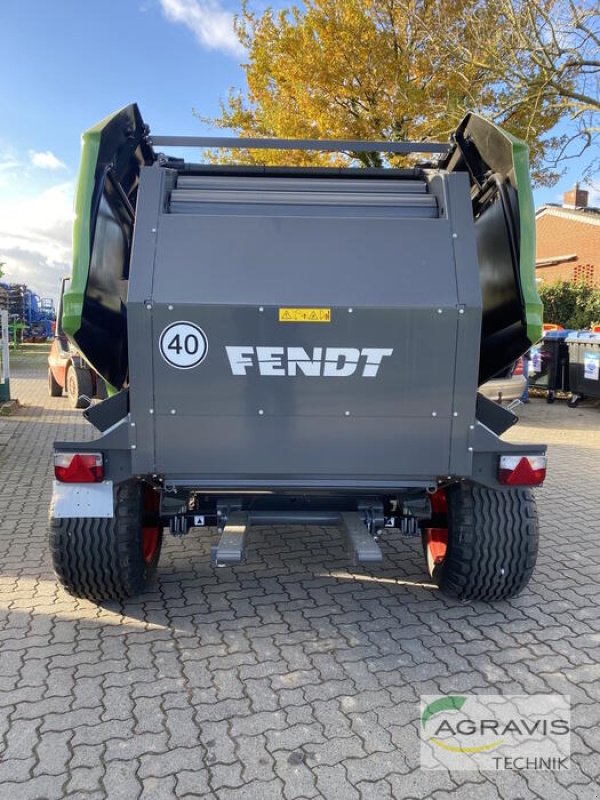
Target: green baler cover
[[73, 297], [93, 318], [534, 310], [504, 216]]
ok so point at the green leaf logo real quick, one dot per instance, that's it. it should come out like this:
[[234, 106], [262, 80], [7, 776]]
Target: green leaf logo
[[452, 702]]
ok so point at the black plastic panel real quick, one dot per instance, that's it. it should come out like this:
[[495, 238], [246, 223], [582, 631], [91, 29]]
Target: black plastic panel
[[103, 333]]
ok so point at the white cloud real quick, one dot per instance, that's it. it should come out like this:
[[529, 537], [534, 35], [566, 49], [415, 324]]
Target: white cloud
[[211, 25], [46, 159], [8, 165], [35, 238]]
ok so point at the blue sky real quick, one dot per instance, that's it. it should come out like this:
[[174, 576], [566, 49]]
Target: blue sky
[[72, 62], [69, 63]]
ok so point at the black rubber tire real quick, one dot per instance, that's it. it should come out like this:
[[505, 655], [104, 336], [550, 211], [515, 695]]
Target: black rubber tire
[[101, 392], [101, 558], [492, 543], [79, 386], [54, 387]]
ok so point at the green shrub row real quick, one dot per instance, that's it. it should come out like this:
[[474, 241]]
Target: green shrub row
[[572, 305]]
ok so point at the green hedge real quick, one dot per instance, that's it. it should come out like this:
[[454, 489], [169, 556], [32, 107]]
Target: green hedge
[[572, 305]]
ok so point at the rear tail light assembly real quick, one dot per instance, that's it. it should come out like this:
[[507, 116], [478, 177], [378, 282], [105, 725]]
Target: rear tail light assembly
[[79, 467], [522, 470]]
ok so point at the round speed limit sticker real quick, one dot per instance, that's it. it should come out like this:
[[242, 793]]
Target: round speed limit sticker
[[183, 345]]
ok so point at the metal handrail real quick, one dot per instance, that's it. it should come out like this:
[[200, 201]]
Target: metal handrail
[[325, 145]]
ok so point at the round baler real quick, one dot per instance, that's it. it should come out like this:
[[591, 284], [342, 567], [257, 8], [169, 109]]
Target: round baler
[[304, 346]]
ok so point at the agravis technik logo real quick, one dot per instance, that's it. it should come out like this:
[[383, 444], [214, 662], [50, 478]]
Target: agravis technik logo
[[495, 732]]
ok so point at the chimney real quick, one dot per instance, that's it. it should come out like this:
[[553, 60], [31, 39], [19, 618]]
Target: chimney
[[576, 198]]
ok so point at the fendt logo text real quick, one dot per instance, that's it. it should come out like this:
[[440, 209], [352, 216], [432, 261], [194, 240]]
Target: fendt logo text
[[324, 362]]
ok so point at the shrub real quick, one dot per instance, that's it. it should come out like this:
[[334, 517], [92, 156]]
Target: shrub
[[572, 305]]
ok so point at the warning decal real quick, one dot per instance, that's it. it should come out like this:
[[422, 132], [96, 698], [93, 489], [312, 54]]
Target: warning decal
[[304, 315]]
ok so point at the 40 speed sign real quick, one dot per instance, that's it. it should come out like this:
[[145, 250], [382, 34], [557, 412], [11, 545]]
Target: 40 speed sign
[[183, 345]]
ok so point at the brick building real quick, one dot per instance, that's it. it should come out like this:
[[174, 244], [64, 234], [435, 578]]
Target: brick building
[[568, 240]]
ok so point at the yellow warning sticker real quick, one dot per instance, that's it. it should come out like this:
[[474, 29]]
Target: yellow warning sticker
[[304, 315]]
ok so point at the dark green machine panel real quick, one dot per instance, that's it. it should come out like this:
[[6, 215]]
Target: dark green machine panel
[[504, 215], [95, 305]]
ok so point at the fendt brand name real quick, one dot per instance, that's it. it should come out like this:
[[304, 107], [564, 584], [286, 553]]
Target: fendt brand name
[[324, 362]]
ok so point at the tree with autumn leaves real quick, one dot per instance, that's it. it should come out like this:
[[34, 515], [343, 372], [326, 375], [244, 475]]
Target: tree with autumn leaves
[[411, 69]]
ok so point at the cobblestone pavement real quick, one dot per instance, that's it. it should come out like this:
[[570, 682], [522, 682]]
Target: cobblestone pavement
[[292, 676]]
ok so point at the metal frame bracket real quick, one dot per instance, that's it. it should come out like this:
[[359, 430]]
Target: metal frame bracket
[[232, 544]]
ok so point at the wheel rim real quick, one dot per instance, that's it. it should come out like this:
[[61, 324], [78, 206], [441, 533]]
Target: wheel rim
[[150, 533], [72, 385], [436, 538], [149, 543], [437, 543]]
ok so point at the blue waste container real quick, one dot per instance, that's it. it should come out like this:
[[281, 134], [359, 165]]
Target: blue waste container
[[549, 366], [584, 365]]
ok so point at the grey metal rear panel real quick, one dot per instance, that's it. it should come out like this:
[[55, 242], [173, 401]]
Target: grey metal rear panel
[[295, 196], [304, 261], [422, 340], [218, 269], [361, 448], [354, 425]]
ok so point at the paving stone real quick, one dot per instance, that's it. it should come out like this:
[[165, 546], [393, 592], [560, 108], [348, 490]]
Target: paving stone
[[84, 779], [43, 786], [121, 781], [53, 753], [192, 783]]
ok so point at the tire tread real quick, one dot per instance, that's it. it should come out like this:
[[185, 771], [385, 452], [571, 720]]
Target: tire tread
[[492, 543], [100, 558]]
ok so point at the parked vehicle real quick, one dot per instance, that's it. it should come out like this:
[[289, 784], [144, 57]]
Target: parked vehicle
[[31, 318], [291, 345], [67, 369], [508, 388]]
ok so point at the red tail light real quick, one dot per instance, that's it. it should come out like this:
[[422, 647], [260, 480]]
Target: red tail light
[[79, 467], [522, 470]]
